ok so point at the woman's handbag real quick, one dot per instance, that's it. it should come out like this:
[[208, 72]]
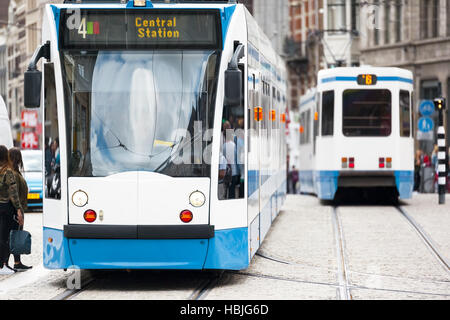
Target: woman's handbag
[[20, 242]]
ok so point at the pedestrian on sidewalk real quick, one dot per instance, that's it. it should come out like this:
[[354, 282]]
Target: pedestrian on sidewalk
[[10, 208], [417, 166], [17, 165], [294, 179]]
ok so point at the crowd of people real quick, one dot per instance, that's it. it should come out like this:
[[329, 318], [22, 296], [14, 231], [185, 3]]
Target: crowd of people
[[426, 171], [13, 203]]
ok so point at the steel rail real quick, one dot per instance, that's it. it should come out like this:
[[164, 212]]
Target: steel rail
[[206, 286], [69, 294], [342, 272], [426, 239]]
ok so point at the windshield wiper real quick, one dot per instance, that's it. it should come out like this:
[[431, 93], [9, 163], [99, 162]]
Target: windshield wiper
[[170, 159], [122, 145]]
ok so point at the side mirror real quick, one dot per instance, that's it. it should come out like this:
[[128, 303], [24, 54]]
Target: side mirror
[[233, 79], [233, 87], [33, 77], [32, 88]]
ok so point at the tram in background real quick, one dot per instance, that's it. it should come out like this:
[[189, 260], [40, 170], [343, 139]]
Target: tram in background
[[355, 133], [165, 120]]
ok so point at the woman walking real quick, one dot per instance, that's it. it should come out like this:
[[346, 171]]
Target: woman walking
[[17, 165], [9, 206]]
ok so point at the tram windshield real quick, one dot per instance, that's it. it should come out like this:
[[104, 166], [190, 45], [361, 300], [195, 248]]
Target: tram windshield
[[367, 113], [140, 111]]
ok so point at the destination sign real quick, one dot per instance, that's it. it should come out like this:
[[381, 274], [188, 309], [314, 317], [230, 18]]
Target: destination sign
[[140, 29], [367, 79]]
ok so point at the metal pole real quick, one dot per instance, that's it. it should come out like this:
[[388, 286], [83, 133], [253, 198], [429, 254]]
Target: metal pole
[[442, 150]]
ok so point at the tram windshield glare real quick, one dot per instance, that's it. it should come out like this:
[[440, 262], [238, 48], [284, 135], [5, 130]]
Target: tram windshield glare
[[140, 111]]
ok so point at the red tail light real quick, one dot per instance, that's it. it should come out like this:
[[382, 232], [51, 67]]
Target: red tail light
[[351, 163], [186, 216], [90, 216], [381, 163]]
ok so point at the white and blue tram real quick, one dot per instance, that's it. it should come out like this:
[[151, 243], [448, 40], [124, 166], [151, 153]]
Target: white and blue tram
[[355, 131], [162, 121]]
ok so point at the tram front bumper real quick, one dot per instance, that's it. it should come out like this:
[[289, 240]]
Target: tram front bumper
[[224, 249], [81, 231]]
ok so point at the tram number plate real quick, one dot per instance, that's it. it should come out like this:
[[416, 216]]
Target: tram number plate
[[367, 79], [34, 196]]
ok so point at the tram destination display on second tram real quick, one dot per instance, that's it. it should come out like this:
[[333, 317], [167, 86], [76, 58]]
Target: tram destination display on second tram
[[144, 28]]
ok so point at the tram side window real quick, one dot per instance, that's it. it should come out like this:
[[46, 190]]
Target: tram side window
[[232, 152], [405, 118], [52, 149], [327, 113]]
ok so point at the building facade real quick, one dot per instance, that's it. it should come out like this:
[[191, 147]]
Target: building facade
[[272, 18], [303, 49], [414, 35], [23, 35], [341, 32]]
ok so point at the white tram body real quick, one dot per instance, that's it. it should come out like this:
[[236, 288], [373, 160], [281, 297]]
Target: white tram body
[[355, 131], [134, 109], [5, 126]]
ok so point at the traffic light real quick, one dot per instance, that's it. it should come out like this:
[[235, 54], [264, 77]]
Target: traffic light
[[440, 104]]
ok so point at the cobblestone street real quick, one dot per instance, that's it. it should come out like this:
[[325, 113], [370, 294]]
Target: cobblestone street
[[313, 251]]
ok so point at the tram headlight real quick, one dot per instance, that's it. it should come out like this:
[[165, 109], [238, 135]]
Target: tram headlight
[[197, 199], [80, 198], [139, 3]]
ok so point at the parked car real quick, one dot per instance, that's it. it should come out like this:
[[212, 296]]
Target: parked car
[[32, 162]]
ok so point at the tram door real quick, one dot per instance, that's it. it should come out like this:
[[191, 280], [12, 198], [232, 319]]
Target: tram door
[[254, 115]]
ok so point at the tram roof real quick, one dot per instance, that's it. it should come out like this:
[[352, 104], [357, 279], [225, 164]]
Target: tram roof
[[152, 1], [355, 71]]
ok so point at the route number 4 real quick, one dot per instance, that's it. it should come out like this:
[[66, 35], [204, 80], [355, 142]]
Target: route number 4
[[82, 28]]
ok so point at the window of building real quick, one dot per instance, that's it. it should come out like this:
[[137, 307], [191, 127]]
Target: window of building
[[435, 19], [448, 18], [355, 15], [398, 21], [376, 30], [336, 14], [387, 24], [31, 4], [430, 89], [327, 113], [32, 37], [366, 113], [424, 18], [429, 18], [405, 114]]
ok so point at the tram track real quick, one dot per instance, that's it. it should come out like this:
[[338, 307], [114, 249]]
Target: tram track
[[426, 239], [69, 294], [88, 280], [342, 270], [315, 266], [343, 285], [350, 286], [206, 286]]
